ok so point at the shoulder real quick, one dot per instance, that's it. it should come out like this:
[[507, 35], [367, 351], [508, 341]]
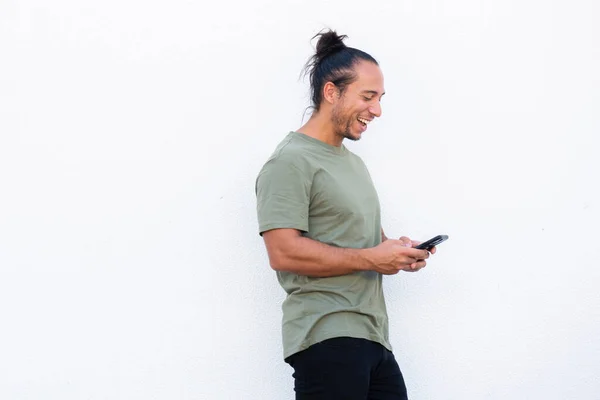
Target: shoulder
[[289, 154]]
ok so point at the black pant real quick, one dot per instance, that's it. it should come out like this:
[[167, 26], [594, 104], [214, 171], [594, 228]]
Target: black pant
[[347, 369]]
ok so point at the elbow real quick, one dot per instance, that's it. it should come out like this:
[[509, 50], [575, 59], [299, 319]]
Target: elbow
[[278, 262], [276, 267], [281, 259]]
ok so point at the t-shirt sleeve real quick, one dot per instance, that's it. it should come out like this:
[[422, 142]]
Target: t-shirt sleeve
[[282, 196]]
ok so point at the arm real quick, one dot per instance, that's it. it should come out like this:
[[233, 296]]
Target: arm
[[283, 200], [289, 251]]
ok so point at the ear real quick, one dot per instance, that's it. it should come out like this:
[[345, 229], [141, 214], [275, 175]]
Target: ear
[[330, 92]]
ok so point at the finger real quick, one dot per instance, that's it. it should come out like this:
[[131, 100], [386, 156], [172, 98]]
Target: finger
[[405, 241], [420, 254], [414, 267], [415, 243], [417, 254], [410, 260], [432, 250], [409, 267]]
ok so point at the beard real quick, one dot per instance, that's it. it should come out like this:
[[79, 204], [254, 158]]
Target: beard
[[342, 123]]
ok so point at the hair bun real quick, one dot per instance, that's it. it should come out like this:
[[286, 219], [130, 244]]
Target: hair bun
[[329, 43], [332, 62]]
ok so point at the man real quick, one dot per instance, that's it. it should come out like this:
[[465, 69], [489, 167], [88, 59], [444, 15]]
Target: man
[[319, 216]]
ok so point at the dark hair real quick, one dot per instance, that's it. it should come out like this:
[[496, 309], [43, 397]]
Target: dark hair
[[333, 62]]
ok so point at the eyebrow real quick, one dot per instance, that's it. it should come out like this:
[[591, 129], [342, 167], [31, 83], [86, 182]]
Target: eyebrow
[[373, 92]]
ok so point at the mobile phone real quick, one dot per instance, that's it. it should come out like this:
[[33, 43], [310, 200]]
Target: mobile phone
[[432, 242]]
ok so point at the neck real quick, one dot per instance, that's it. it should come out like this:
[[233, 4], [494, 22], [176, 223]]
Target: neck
[[319, 126]]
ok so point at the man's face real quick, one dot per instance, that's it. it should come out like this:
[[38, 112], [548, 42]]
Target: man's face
[[359, 104]]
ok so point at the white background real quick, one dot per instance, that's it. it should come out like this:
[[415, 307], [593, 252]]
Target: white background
[[131, 133]]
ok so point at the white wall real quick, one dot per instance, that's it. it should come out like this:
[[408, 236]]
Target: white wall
[[131, 133]]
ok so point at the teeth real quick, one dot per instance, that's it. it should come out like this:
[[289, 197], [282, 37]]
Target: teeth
[[364, 121]]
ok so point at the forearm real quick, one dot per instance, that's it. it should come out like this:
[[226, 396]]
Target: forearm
[[304, 256]]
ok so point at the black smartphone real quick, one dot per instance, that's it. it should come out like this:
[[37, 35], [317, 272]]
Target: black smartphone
[[432, 242]]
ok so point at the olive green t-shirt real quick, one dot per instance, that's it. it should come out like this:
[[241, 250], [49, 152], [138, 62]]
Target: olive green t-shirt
[[326, 193]]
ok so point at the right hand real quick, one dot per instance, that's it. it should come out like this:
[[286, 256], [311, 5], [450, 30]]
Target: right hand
[[393, 256]]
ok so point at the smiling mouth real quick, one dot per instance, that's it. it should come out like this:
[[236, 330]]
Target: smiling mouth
[[364, 121]]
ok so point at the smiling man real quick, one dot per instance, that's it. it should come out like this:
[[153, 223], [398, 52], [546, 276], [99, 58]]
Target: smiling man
[[319, 215]]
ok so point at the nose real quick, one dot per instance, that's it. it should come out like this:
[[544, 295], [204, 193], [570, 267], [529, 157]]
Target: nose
[[375, 109]]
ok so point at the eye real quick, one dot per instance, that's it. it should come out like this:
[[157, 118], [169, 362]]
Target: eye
[[367, 98]]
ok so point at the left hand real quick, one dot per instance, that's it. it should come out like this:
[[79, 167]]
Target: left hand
[[414, 267]]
